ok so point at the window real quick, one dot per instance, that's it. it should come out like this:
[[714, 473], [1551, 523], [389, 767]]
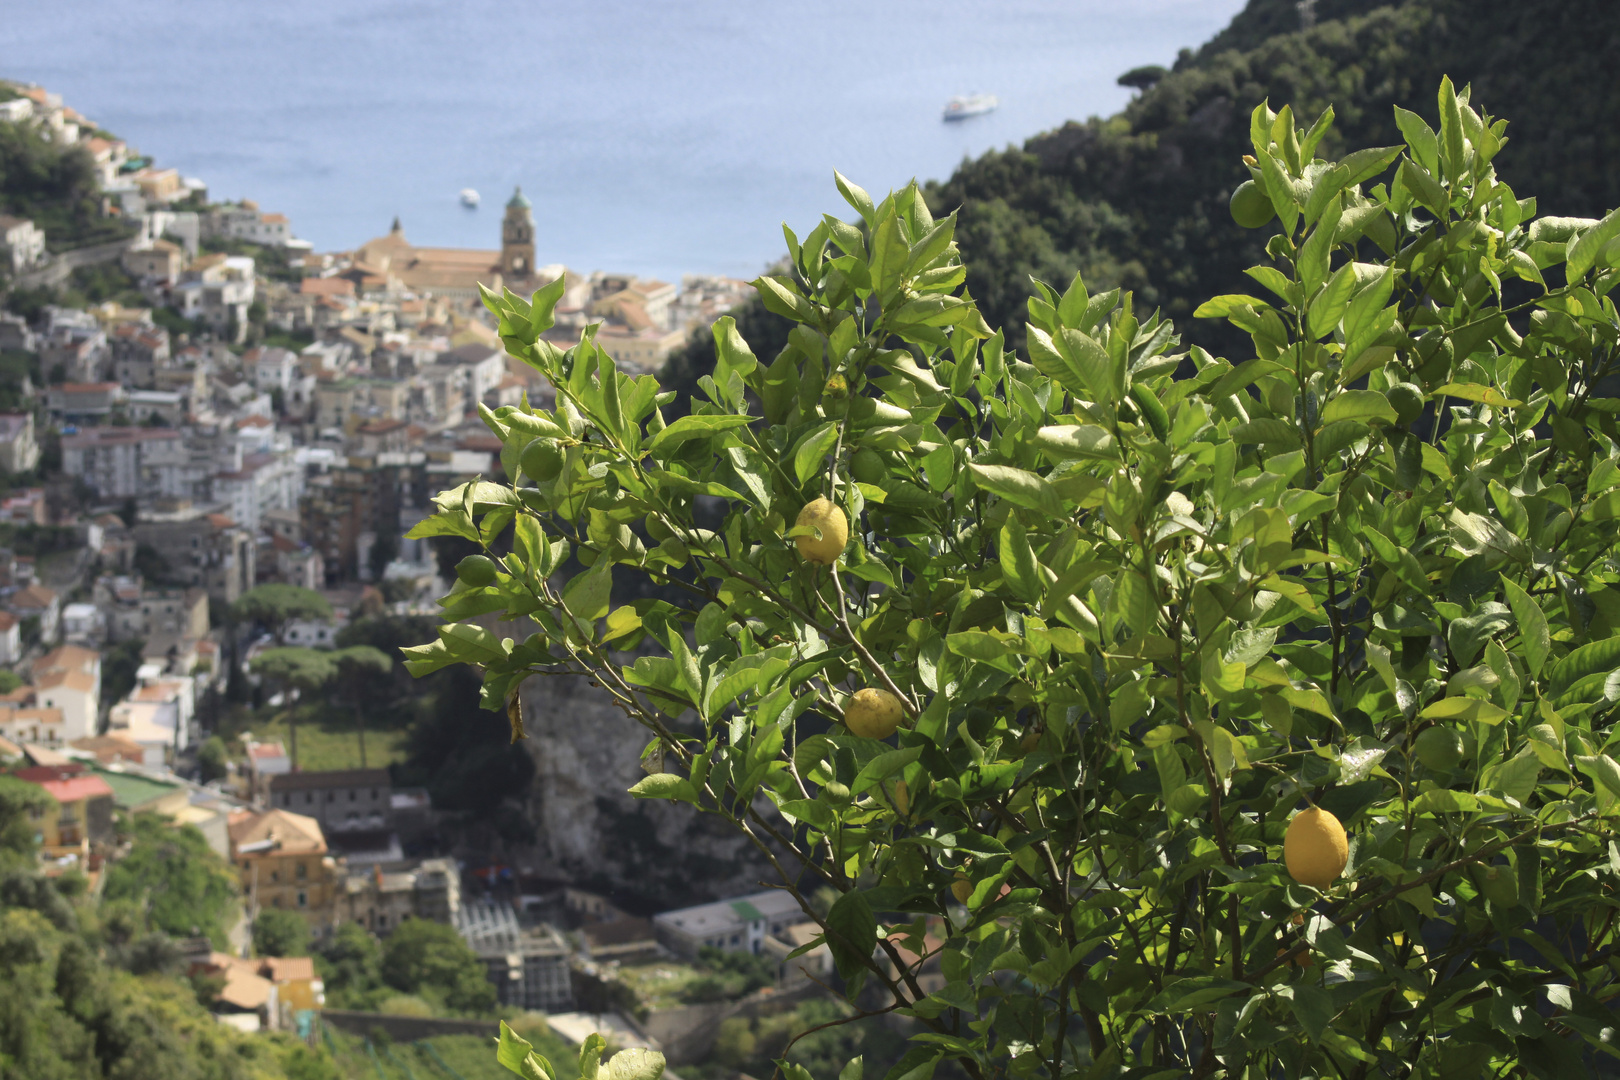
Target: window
[[303, 899], [275, 875], [302, 872], [309, 797]]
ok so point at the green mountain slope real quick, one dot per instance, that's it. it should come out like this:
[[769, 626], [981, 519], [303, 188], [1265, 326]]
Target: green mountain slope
[[1140, 198]]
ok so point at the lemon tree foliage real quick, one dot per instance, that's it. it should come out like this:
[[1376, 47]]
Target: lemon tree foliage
[[1139, 607]]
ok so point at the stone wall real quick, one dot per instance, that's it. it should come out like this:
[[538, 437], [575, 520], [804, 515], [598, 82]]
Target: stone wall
[[407, 1028]]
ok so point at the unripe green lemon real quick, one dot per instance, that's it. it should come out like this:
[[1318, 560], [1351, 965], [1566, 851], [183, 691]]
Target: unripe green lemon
[[1439, 748], [541, 461], [872, 713], [1251, 206], [1407, 401], [476, 571], [826, 516], [867, 466], [835, 794], [1315, 848]]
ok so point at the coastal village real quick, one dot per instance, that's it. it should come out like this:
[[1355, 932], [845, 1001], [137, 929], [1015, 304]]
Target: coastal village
[[280, 419]]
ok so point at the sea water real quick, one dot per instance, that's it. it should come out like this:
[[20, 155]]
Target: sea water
[[653, 137]]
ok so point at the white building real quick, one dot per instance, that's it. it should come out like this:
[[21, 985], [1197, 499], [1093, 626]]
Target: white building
[[738, 925], [83, 622], [21, 243], [110, 459], [482, 366], [244, 221], [19, 452], [10, 638]]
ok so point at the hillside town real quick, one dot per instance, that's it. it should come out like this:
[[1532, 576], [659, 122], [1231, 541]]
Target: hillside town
[[269, 416]]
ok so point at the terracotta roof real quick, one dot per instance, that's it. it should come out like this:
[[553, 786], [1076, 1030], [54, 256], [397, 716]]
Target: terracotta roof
[[244, 989], [76, 788], [86, 387], [81, 681], [332, 286], [69, 657], [52, 715], [34, 596], [109, 746], [267, 750], [282, 969], [7, 621], [221, 521], [296, 832], [273, 219]]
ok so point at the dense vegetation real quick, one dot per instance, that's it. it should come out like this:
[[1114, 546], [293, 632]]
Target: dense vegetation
[[175, 880], [1201, 673], [423, 968], [94, 991], [54, 186]]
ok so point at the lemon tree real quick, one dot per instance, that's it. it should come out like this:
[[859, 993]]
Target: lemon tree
[[1133, 608]]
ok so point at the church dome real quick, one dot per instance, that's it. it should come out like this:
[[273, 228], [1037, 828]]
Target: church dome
[[518, 201]]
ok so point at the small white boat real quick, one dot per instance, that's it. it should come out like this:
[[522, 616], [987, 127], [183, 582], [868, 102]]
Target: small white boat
[[469, 197], [960, 108]]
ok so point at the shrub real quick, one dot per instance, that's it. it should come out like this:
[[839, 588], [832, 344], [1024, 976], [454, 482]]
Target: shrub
[[1138, 608]]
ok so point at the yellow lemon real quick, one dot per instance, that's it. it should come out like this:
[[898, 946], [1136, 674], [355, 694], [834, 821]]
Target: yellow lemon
[[872, 713], [823, 515], [1315, 848], [962, 887]]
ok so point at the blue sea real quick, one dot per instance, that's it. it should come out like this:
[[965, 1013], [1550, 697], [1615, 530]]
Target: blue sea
[[653, 137]]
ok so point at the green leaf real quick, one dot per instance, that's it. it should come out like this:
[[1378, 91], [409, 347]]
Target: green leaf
[[664, 786], [1365, 405], [636, 1063], [1444, 801], [1537, 641], [1019, 487], [472, 644], [1594, 658], [519, 1056], [1425, 188], [544, 302], [694, 427], [1312, 1007], [1018, 563], [1585, 247], [812, 449], [587, 595], [856, 196], [590, 1056], [851, 933], [1330, 304], [423, 660], [1064, 443], [1468, 709]]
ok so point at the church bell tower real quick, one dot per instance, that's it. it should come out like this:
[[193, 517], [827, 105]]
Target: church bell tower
[[517, 239]]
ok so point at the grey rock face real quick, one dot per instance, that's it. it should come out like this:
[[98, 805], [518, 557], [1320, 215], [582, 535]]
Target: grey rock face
[[587, 755]]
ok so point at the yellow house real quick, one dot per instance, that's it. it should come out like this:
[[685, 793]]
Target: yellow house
[[79, 813], [283, 863]]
